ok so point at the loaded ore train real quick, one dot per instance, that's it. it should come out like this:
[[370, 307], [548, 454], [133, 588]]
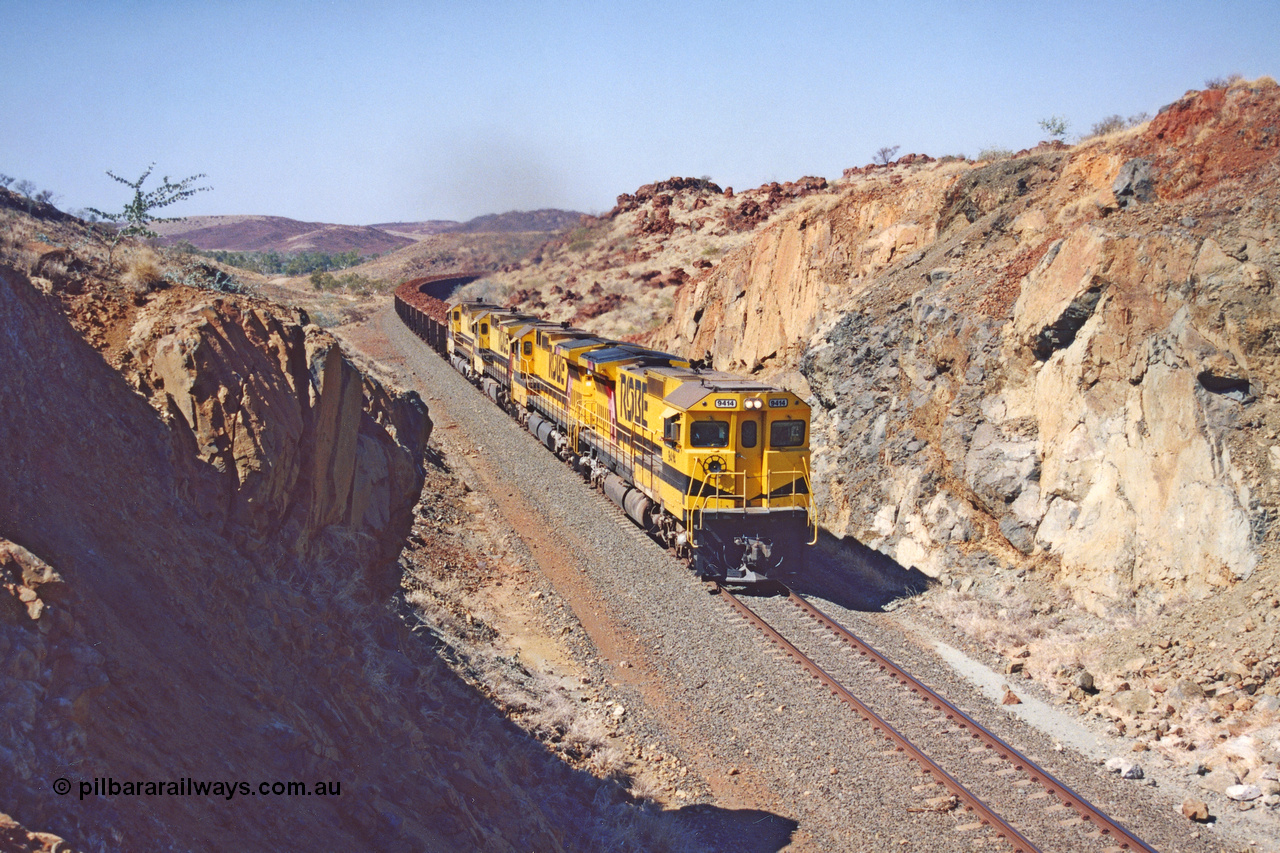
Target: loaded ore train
[[714, 466]]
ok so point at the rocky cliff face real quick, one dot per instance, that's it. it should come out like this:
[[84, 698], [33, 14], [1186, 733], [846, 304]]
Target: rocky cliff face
[[289, 441], [1066, 359], [190, 574]]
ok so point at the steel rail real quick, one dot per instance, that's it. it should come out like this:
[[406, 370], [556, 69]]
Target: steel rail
[[1091, 814], [999, 825]]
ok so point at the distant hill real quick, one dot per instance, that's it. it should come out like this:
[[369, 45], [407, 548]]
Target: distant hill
[[518, 220], [281, 234], [266, 233], [512, 222], [419, 230]]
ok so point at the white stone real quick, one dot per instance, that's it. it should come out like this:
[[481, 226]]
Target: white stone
[[1243, 793], [1126, 768]]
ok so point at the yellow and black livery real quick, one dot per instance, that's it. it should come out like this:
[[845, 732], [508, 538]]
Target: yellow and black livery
[[713, 465]]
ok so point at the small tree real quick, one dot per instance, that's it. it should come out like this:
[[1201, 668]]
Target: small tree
[[32, 194], [136, 217], [885, 155], [1055, 126]]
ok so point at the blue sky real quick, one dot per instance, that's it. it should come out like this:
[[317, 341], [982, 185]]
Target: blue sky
[[363, 112]]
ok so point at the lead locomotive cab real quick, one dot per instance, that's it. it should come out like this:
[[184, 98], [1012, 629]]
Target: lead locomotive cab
[[736, 463]]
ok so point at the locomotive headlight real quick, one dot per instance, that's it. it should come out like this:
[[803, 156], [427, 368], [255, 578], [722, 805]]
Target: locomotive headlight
[[753, 403]]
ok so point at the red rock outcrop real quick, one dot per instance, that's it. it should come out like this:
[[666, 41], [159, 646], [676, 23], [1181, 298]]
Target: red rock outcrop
[[758, 205]]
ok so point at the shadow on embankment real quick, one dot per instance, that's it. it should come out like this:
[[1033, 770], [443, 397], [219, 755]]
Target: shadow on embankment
[[850, 574], [165, 654]]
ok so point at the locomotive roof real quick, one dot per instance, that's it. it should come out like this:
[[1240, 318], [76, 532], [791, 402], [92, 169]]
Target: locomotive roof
[[696, 385], [536, 323], [512, 317], [625, 352], [586, 340]]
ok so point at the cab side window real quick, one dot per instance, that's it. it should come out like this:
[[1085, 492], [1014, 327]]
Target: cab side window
[[671, 430]]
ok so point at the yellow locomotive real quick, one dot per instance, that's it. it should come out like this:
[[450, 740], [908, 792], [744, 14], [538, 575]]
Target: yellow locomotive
[[713, 465]]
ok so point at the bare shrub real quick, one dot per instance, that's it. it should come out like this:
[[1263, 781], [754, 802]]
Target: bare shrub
[[1224, 82], [1010, 621], [26, 260], [586, 735], [629, 828], [1110, 124], [55, 271], [645, 788], [609, 763], [553, 719], [994, 153], [9, 237]]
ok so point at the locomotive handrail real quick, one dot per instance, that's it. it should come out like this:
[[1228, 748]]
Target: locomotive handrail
[[808, 505]]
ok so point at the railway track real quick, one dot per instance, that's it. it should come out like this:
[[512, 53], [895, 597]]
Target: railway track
[[847, 657], [1064, 821]]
